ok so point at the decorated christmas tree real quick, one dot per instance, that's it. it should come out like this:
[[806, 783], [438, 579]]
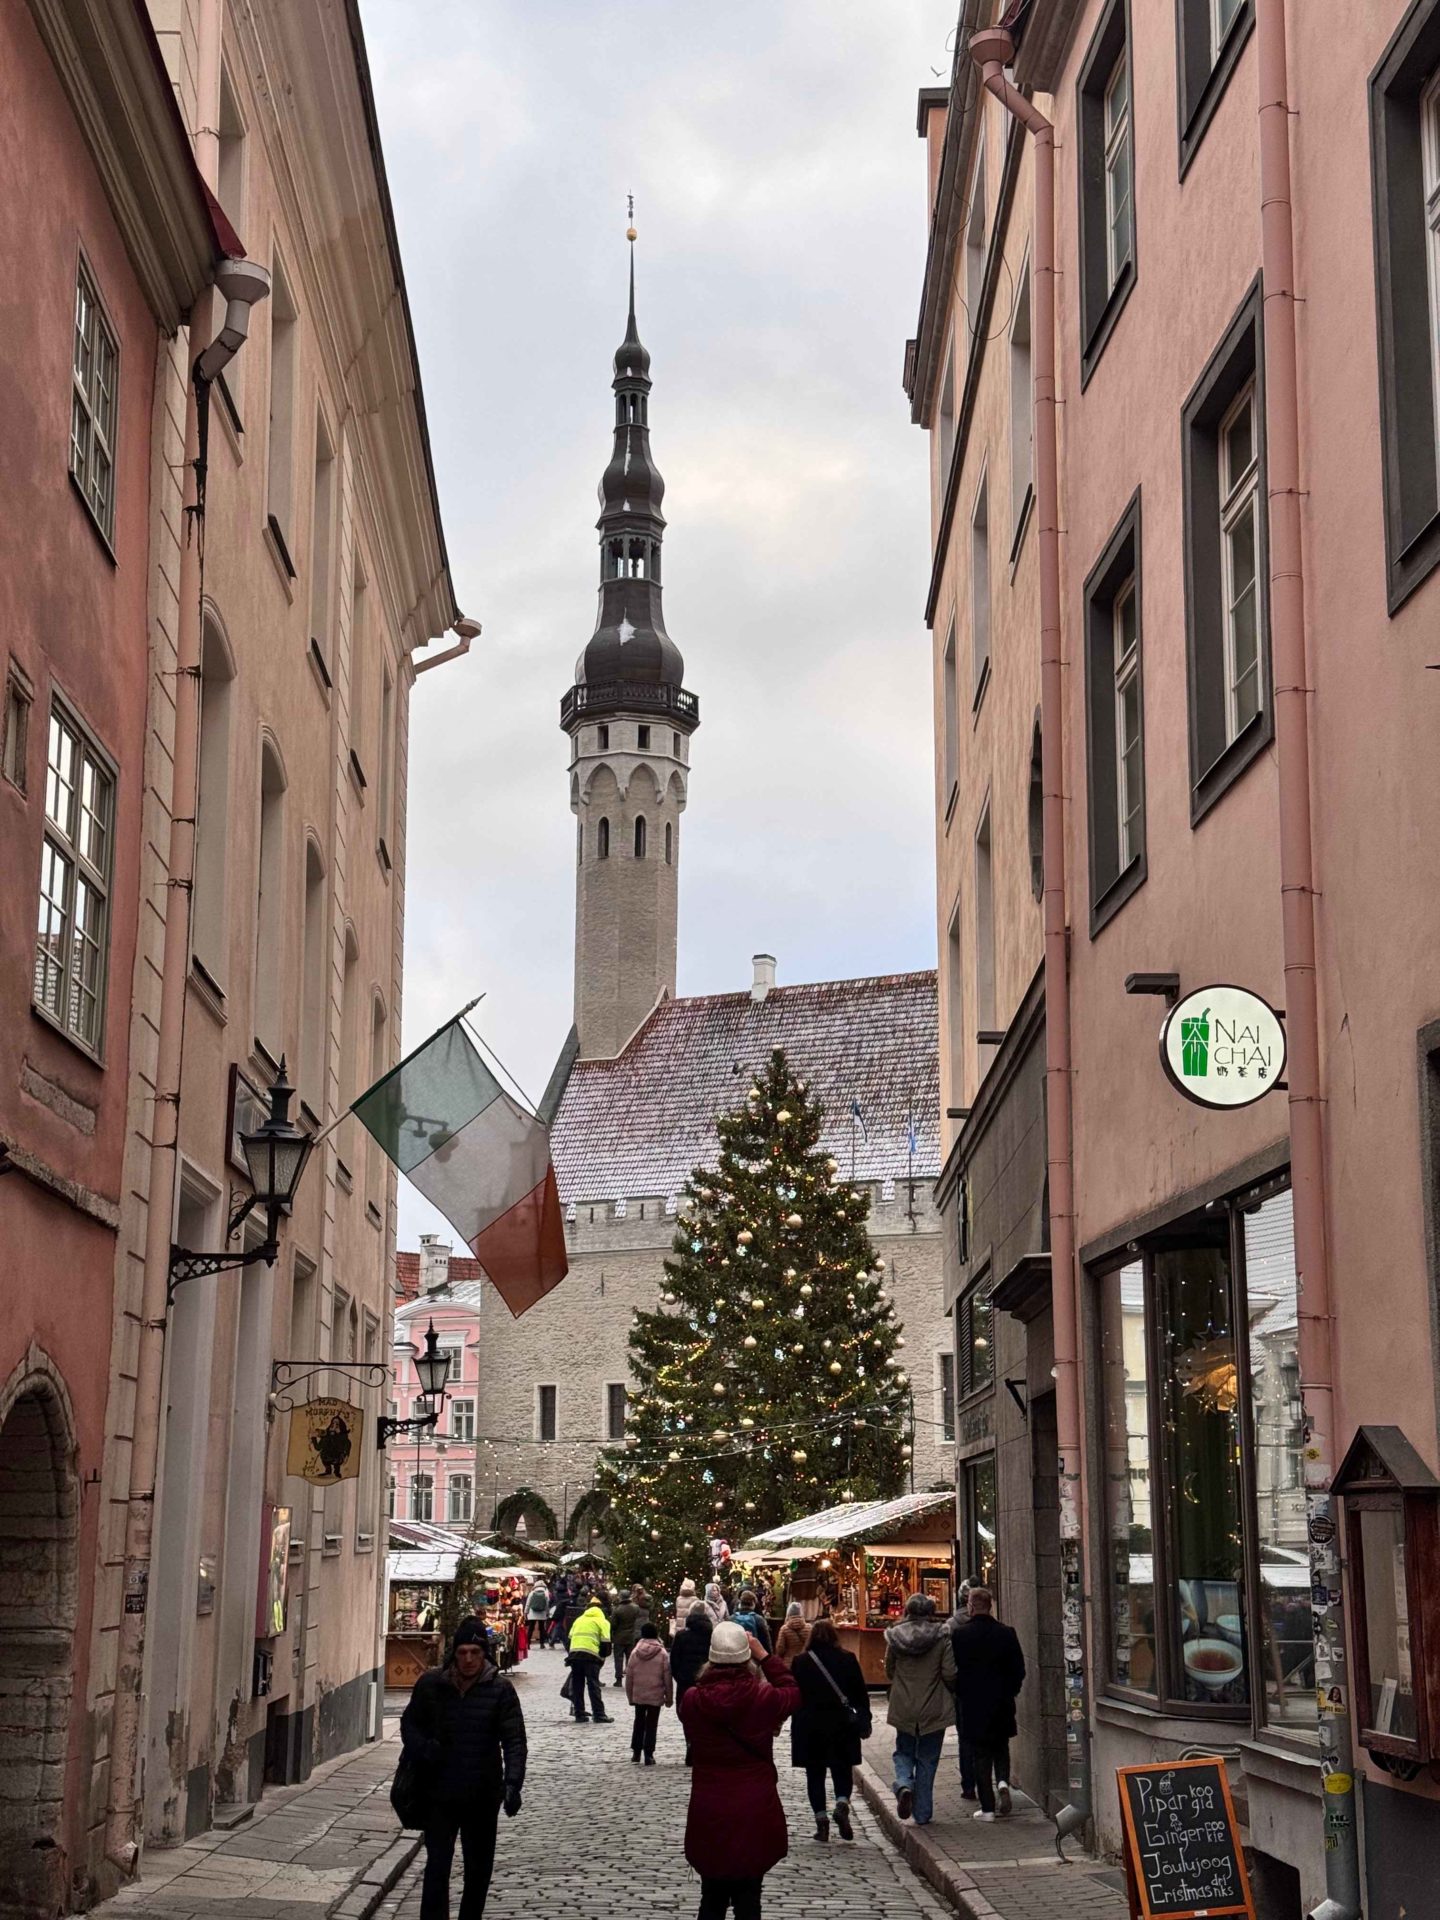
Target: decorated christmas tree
[[767, 1383]]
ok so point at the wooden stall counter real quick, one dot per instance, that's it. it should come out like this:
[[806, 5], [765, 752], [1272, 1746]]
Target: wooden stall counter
[[868, 1646], [407, 1656]]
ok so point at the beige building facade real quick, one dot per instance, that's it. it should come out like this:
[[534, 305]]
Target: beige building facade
[[1247, 322], [324, 572]]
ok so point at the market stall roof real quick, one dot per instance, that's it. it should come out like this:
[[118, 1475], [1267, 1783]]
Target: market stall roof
[[420, 1569], [419, 1536], [855, 1520]]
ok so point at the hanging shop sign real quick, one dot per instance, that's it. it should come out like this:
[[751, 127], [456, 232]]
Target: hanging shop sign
[[1183, 1857], [325, 1442], [1223, 1046]]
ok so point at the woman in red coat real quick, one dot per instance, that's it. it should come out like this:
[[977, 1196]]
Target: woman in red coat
[[736, 1827]]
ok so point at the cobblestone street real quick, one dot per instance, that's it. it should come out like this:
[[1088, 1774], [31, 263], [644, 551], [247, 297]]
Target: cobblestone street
[[601, 1837]]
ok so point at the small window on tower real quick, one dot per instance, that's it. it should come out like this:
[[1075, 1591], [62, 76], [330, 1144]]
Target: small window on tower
[[602, 840], [602, 738], [675, 744], [640, 838], [643, 734], [635, 564], [669, 845], [655, 560], [614, 559], [579, 842]]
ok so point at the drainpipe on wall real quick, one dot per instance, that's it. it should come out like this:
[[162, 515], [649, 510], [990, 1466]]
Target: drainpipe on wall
[[992, 51], [1297, 907], [243, 283]]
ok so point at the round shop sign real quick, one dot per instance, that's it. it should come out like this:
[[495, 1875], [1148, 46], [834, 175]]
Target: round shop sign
[[1223, 1046]]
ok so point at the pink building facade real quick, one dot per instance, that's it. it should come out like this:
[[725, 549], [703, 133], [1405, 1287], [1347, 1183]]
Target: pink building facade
[[1200, 1600], [112, 266], [431, 1476]]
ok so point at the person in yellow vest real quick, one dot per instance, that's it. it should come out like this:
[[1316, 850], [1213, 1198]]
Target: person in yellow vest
[[589, 1644]]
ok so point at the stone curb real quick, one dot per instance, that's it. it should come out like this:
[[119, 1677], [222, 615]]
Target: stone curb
[[913, 1843], [377, 1879]]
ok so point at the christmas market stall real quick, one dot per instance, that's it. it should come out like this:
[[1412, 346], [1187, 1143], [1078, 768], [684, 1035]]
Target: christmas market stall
[[857, 1563], [420, 1569]]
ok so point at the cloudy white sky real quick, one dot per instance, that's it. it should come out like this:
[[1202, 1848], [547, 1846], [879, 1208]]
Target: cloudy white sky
[[779, 190]]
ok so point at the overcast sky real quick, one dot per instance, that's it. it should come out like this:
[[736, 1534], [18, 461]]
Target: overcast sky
[[780, 201]]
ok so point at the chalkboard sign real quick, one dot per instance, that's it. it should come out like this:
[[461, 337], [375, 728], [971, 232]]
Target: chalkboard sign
[[1182, 1850]]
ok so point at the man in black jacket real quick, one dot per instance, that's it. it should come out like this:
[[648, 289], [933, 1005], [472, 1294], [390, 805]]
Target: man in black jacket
[[989, 1673], [465, 1731]]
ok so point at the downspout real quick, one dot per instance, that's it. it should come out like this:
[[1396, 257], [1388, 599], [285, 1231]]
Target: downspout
[[993, 50], [243, 283], [468, 630], [1297, 908]]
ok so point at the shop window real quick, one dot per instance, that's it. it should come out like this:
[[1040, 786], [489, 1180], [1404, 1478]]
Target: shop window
[[1405, 174], [974, 1340], [977, 1506], [1207, 1561]]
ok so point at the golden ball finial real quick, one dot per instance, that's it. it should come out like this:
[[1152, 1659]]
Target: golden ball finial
[[630, 233]]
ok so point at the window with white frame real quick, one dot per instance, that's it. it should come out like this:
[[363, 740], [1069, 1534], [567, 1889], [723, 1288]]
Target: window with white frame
[[1130, 790], [1240, 555], [93, 405], [73, 937], [1222, 17], [422, 1497], [462, 1420], [460, 1498], [1118, 204], [390, 1496], [452, 1344]]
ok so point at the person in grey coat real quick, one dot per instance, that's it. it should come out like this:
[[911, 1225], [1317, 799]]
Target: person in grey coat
[[920, 1666]]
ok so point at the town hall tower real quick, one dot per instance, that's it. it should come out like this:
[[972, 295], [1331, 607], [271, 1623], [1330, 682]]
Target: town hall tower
[[629, 719]]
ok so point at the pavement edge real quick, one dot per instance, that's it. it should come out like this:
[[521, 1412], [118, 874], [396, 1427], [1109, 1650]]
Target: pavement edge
[[914, 1844], [375, 1882]]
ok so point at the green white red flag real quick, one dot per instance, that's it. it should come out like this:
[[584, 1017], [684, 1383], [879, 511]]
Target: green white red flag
[[479, 1157]]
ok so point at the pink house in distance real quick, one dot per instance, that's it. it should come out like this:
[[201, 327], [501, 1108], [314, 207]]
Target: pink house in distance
[[432, 1477]]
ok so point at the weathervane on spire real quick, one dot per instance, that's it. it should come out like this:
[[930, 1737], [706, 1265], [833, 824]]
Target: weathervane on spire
[[630, 209]]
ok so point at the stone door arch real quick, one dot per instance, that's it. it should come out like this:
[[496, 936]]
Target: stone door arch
[[39, 1578]]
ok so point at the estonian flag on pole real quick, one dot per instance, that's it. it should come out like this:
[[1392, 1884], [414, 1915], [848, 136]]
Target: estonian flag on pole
[[477, 1155], [858, 1117]]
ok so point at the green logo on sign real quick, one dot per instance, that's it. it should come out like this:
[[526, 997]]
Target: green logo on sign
[[1195, 1044]]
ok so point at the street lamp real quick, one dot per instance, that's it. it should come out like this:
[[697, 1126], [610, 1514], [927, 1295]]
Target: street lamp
[[276, 1153], [432, 1369]]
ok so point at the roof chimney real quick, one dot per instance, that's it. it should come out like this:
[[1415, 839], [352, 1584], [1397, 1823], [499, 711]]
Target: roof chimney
[[434, 1263], [764, 964]]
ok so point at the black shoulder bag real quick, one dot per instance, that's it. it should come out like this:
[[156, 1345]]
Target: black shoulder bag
[[854, 1719]]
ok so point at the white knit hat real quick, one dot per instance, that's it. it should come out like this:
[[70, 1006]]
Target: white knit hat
[[729, 1645]]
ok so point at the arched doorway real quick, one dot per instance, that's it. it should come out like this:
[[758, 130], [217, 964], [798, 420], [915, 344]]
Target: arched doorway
[[39, 1520]]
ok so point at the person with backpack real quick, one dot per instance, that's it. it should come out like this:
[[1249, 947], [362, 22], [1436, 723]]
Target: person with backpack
[[648, 1688], [689, 1651], [831, 1721], [735, 1830], [463, 1736], [920, 1666], [747, 1615], [989, 1673]]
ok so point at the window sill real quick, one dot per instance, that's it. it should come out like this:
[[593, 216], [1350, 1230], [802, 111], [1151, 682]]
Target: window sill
[[382, 854], [364, 1543], [344, 1175], [273, 541], [950, 803], [1022, 527], [1192, 131], [89, 1054], [980, 689], [357, 776], [1124, 887], [230, 419], [1159, 1723], [268, 1061], [1280, 1759], [1105, 321], [330, 1547], [1221, 775], [373, 1215], [208, 990], [107, 544], [320, 670]]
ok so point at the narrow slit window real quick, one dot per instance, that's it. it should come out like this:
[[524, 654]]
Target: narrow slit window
[[602, 840], [94, 400], [1117, 171], [1430, 180], [669, 844], [1130, 794], [279, 477], [642, 735], [640, 834], [602, 738]]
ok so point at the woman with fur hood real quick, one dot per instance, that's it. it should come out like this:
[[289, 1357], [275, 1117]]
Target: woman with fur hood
[[685, 1599], [920, 1666], [648, 1687]]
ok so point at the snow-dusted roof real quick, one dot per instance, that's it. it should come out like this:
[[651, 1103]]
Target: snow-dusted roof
[[420, 1536], [637, 1124], [859, 1520]]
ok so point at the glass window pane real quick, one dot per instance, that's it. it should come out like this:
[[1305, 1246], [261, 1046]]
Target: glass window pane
[[1201, 1441], [60, 776], [980, 1520], [1130, 1540], [982, 1348], [1239, 444], [1387, 1624], [52, 940], [86, 957], [1287, 1664]]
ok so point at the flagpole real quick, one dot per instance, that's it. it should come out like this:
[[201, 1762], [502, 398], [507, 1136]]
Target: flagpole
[[346, 1112]]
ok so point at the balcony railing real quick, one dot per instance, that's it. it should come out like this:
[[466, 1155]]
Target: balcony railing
[[620, 696]]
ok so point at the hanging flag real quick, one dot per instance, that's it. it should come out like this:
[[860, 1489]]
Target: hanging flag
[[858, 1117], [478, 1156], [911, 1135]]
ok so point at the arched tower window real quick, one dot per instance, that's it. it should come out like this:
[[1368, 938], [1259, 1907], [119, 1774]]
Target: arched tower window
[[579, 842], [637, 560], [669, 844], [640, 838], [602, 840], [614, 559]]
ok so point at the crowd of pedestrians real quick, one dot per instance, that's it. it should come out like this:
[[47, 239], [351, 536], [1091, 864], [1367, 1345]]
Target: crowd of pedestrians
[[463, 1733]]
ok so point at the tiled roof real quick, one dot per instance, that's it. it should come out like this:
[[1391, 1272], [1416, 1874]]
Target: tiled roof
[[407, 1273], [637, 1124]]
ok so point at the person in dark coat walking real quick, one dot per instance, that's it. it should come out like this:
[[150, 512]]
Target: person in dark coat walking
[[989, 1673], [689, 1651], [824, 1734], [735, 1831], [464, 1729]]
